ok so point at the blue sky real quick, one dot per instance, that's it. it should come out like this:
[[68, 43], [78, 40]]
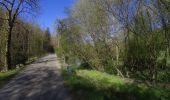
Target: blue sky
[[51, 10]]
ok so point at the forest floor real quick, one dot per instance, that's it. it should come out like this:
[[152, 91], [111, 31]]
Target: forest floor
[[39, 81]]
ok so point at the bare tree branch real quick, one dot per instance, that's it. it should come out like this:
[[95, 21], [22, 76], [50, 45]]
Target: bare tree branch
[[4, 5]]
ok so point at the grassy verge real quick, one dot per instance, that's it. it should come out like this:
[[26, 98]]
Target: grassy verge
[[94, 85], [6, 76]]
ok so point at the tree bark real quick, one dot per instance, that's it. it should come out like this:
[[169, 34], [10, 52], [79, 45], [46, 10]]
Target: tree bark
[[8, 50]]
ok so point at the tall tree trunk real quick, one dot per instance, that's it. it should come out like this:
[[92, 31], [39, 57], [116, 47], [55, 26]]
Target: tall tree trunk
[[117, 55], [5, 67], [8, 49], [58, 42]]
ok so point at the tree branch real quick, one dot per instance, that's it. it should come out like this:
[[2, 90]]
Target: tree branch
[[4, 5], [8, 2]]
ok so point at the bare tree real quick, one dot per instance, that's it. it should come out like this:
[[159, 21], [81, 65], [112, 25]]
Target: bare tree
[[15, 8]]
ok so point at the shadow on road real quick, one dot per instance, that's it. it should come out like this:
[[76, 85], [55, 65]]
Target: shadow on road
[[39, 81]]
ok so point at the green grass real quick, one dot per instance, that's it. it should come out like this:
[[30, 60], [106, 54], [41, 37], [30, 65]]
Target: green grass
[[94, 85], [6, 76]]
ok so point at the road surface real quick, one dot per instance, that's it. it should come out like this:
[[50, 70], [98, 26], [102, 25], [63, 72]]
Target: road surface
[[38, 81]]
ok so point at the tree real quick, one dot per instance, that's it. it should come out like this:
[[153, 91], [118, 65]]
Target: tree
[[3, 33], [13, 9], [130, 38], [47, 43], [48, 34]]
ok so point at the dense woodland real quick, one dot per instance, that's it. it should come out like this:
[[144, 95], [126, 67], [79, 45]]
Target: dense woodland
[[128, 38], [20, 40]]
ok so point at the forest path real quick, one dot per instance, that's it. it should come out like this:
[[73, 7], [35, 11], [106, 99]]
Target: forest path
[[39, 81]]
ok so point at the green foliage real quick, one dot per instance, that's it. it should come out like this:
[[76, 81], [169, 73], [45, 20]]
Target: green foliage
[[59, 52], [94, 85], [27, 41], [74, 44], [128, 38]]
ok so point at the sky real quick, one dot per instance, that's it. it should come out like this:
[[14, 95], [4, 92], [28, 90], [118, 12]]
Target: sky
[[52, 10]]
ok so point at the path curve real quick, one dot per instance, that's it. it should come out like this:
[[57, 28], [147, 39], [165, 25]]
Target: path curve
[[39, 81]]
